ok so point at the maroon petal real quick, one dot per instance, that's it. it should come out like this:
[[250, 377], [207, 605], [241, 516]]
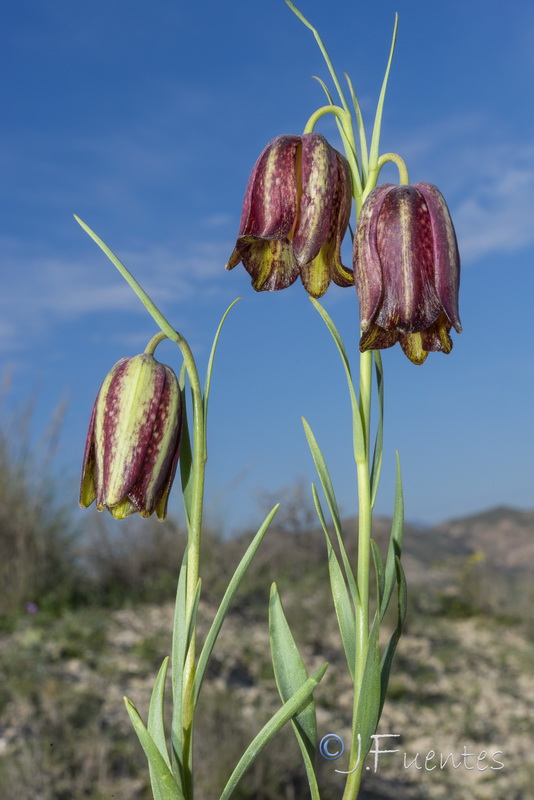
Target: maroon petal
[[319, 170], [366, 260], [161, 448], [270, 205], [405, 246], [342, 204], [327, 266], [126, 413], [446, 255]]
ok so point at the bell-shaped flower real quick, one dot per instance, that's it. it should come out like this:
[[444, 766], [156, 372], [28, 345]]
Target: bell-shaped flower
[[407, 270], [295, 214], [133, 442]]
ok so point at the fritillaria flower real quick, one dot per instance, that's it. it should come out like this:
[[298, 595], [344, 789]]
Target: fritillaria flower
[[295, 214], [407, 270], [133, 442]]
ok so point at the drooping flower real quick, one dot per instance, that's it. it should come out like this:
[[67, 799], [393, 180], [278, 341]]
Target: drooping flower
[[295, 214], [132, 446], [407, 270]]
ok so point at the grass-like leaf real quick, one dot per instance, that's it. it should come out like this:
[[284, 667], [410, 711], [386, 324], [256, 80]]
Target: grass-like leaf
[[192, 621], [324, 475], [323, 50], [358, 436], [163, 782], [342, 600], [207, 384], [377, 453], [361, 132], [379, 572], [328, 489], [375, 141], [227, 600], [150, 306], [186, 457], [348, 143], [179, 648], [271, 728], [290, 674], [387, 658], [369, 701], [155, 723], [395, 542]]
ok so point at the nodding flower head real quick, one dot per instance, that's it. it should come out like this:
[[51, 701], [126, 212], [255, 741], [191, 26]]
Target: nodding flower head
[[133, 441], [407, 270], [295, 214]]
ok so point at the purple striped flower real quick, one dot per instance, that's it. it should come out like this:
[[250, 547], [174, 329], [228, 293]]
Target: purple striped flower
[[295, 214], [407, 270], [133, 441]]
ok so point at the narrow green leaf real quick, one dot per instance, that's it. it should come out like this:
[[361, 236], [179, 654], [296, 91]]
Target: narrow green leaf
[[192, 621], [395, 542], [155, 723], [340, 594], [377, 454], [324, 475], [164, 784], [323, 50], [328, 490], [186, 457], [361, 130], [369, 701], [349, 146], [271, 728], [290, 674], [379, 571], [212, 357], [344, 609], [150, 306], [227, 600], [387, 658], [179, 645], [358, 436], [375, 141]]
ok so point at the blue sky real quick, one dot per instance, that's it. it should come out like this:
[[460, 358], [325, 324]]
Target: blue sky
[[146, 120]]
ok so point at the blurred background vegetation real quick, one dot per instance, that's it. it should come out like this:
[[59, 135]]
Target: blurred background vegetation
[[86, 614]]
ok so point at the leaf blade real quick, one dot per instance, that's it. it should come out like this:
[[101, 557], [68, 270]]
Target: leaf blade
[[167, 788], [155, 722], [271, 728], [290, 674], [228, 596]]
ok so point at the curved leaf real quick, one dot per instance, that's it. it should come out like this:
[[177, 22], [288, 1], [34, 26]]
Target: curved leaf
[[232, 588], [271, 728], [290, 674], [155, 724], [164, 785]]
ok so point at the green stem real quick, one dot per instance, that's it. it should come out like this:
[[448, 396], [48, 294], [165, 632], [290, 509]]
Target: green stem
[[399, 163], [150, 349], [199, 465], [344, 116]]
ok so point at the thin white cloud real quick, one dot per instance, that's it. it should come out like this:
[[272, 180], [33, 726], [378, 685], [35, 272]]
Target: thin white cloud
[[496, 214], [40, 292]]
